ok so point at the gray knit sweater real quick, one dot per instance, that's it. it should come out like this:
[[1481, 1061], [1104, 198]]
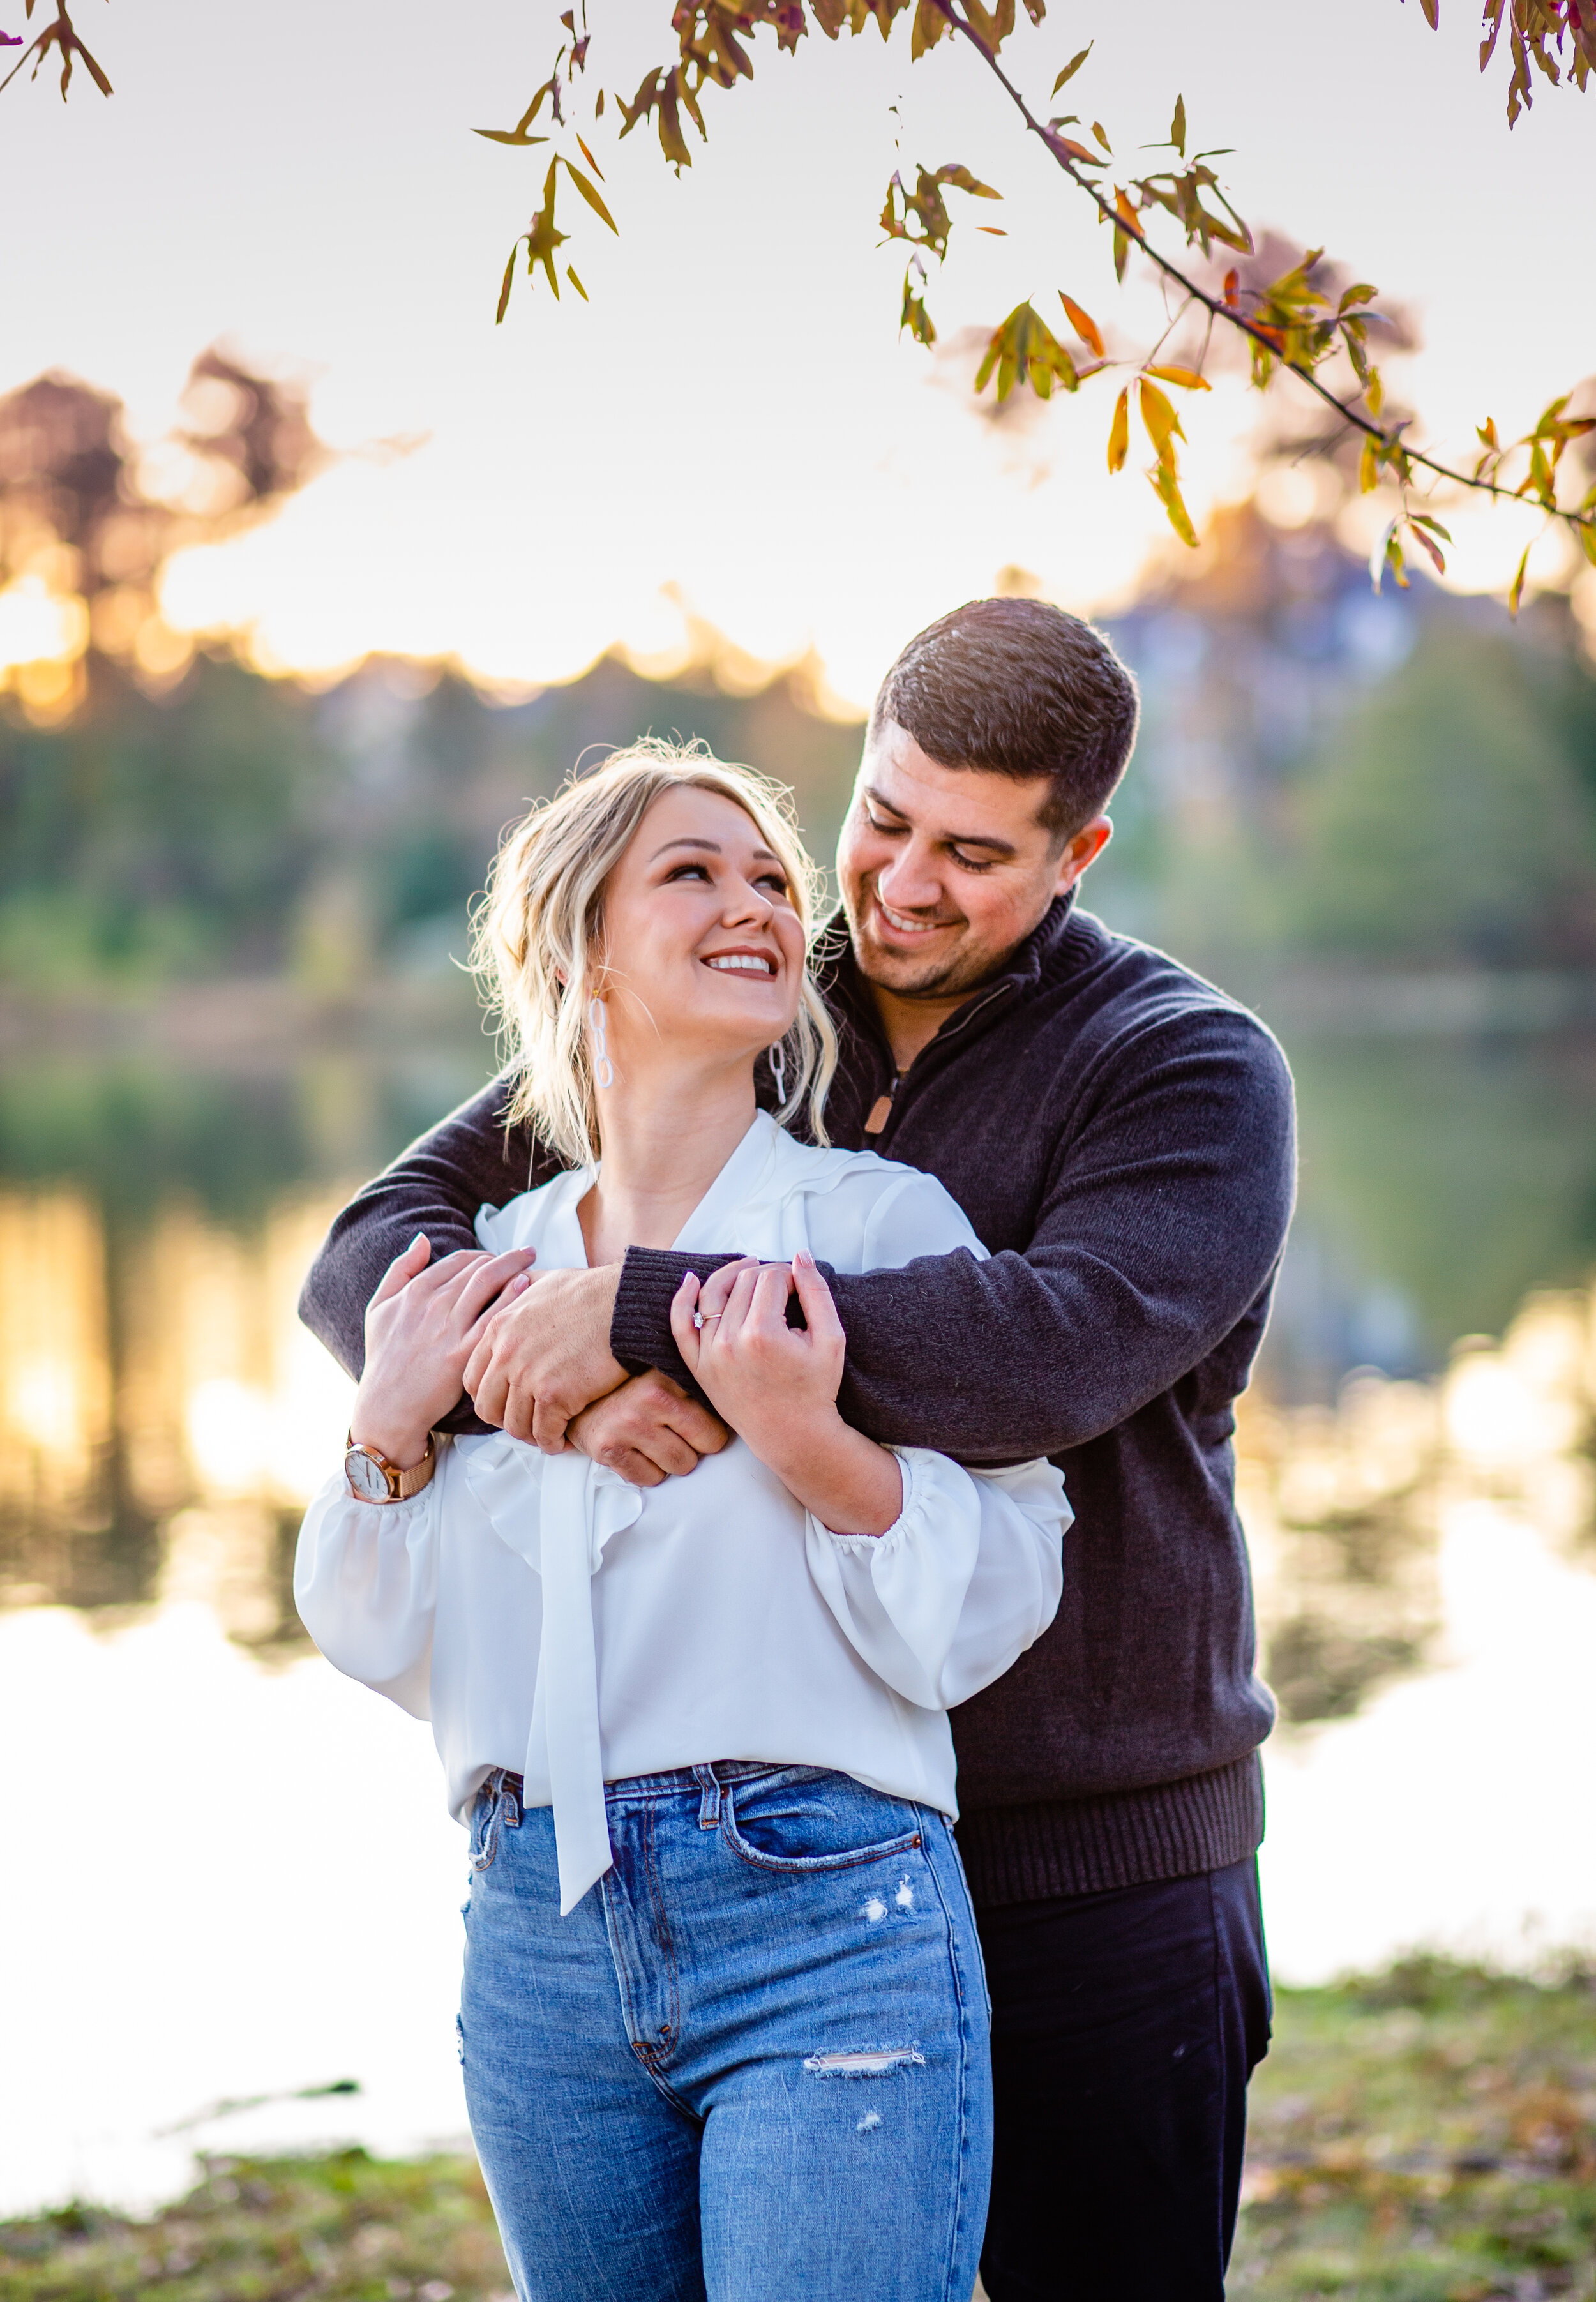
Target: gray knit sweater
[[1120, 1136]]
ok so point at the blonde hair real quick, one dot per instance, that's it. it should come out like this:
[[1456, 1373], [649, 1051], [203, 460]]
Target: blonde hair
[[535, 928]]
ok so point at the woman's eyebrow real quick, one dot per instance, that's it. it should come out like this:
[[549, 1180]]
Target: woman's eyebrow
[[709, 847]]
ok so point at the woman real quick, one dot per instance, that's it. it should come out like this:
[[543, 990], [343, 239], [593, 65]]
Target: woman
[[723, 2019]]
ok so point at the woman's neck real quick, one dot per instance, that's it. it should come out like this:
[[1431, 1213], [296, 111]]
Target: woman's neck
[[664, 1137]]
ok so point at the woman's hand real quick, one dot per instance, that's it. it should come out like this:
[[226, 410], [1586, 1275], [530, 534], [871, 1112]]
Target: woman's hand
[[421, 1325], [776, 1386]]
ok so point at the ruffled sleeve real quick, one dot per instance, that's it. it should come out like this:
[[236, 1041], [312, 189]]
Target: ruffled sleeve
[[366, 1583], [967, 1577]]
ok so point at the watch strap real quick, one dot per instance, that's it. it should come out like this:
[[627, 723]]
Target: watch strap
[[403, 1485]]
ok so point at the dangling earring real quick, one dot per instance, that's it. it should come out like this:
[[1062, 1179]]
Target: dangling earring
[[604, 1069], [779, 1072]]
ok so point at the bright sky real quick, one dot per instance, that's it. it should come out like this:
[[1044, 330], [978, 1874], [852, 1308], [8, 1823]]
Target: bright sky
[[733, 414]]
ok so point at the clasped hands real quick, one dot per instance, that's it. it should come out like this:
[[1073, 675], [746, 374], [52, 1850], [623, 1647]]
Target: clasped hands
[[532, 1352]]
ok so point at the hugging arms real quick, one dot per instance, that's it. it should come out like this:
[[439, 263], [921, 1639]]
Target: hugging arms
[[1117, 1271]]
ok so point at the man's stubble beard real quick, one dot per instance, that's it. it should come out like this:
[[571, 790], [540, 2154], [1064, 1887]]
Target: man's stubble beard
[[897, 972]]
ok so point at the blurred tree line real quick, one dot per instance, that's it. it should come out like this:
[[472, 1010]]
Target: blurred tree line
[[1323, 776], [1334, 778]]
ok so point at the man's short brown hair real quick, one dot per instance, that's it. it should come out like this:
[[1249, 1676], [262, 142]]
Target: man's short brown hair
[[1018, 688]]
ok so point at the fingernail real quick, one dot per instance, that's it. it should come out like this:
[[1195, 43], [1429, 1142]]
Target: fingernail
[[416, 1242], [518, 1284], [804, 1257]]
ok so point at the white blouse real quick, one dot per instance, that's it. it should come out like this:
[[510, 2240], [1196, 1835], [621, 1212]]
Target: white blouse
[[548, 1616]]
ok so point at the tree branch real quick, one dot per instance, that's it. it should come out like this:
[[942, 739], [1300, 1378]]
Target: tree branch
[[1217, 309]]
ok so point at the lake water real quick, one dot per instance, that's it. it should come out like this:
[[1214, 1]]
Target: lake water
[[230, 1875]]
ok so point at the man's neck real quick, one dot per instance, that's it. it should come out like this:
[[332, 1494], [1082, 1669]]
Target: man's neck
[[911, 1024]]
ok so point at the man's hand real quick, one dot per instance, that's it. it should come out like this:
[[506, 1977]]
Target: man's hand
[[421, 1325], [649, 1431], [544, 1358]]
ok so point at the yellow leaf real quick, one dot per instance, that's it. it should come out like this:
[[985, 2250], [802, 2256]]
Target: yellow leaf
[[1517, 593], [1118, 431], [1164, 425], [1187, 378], [1368, 469], [1167, 489]]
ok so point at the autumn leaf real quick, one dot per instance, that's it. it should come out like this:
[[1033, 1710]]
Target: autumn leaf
[[586, 155], [590, 194], [1433, 548], [1118, 431], [504, 293], [1074, 66], [1369, 467], [1166, 487], [1164, 425], [1177, 134], [1025, 350], [1187, 378], [1232, 299], [576, 284], [1516, 593], [1083, 324]]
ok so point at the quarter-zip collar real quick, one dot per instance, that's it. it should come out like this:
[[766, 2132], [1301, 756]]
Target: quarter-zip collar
[[848, 993]]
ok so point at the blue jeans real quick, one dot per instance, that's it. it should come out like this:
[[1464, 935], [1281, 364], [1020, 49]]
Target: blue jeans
[[750, 2066]]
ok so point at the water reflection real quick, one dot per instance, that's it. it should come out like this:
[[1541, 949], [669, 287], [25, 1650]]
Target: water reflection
[[163, 1415], [286, 1879], [1347, 1507]]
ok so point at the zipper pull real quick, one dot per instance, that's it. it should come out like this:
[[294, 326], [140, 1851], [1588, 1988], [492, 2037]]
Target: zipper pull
[[881, 1109]]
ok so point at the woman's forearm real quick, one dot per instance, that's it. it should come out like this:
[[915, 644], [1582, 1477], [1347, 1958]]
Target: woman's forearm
[[852, 1485]]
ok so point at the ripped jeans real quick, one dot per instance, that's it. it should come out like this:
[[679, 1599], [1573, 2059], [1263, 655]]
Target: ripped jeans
[[750, 2066]]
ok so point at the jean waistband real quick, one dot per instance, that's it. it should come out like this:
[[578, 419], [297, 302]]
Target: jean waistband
[[672, 1781]]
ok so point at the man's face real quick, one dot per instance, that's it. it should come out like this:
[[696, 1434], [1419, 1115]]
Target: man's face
[[944, 869]]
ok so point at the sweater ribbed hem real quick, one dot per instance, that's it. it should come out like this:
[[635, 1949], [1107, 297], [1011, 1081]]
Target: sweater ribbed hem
[[1122, 1838], [640, 1324]]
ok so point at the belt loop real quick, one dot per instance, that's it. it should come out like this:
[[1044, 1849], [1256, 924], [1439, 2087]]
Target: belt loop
[[709, 1804], [511, 1796]]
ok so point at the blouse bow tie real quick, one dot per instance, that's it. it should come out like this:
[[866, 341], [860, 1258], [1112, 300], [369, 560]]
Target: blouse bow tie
[[559, 1511]]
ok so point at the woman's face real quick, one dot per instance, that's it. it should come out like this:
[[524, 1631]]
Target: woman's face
[[702, 950]]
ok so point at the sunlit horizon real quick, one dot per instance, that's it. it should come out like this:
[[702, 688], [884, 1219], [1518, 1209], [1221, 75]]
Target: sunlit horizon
[[731, 434]]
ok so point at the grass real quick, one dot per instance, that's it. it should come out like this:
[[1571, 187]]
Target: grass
[[260, 2230], [1426, 2136]]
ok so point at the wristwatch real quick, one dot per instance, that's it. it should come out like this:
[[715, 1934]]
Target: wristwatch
[[373, 1479]]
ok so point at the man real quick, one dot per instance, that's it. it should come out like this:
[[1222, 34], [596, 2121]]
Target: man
[[1120, 1136]]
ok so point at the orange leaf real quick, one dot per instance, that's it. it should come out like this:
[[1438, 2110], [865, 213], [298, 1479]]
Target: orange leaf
[[1187, 378], [1125, 212], [1083, 324], [1233, 283]]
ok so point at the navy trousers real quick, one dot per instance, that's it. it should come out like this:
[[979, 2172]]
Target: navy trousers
[[1125, 2027]]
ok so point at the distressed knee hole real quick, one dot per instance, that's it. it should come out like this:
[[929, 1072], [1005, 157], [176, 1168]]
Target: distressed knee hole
[[869, 2122]]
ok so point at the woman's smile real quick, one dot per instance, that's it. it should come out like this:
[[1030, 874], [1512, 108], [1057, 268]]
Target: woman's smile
[[766, 964]]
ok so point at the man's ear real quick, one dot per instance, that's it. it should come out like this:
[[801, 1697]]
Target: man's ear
[[1080, 853]]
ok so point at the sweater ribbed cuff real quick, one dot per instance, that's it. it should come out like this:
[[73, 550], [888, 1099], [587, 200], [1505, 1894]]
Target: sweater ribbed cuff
[[1122, 1838], [639, 1334]]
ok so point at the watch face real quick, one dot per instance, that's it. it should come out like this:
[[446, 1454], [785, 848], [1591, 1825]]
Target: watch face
[[366, 1478]]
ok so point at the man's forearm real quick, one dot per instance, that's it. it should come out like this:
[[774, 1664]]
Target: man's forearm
[[436, 1185]]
